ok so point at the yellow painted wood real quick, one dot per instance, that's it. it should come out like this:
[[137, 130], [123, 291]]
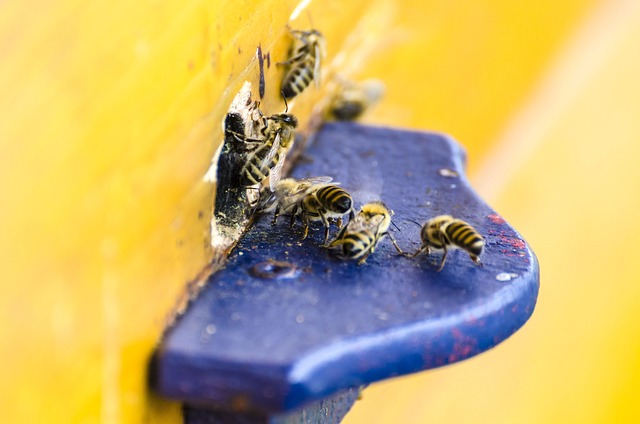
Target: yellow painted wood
[[463, 67], [111, 114], [565, 173]]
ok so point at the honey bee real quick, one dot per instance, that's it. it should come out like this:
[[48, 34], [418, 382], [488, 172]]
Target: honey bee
[[324, 202], [445, 232], [359, 238], [352, 99], [265, 155], [304, 62], [287, 195]]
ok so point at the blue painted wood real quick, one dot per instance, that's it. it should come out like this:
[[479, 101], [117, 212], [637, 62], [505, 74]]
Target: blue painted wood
[[272, 340]]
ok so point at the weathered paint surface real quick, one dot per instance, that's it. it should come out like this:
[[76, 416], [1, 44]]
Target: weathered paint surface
[[110, 116]]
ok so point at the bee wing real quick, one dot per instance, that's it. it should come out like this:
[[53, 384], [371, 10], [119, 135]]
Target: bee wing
[[267, 202], [357, 224], [373, 89], [375, 222], [367, 188], [306, 183], [276, 172], [316, 69], [302, 189]]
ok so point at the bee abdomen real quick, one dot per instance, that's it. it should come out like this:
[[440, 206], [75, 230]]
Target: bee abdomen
[[354, 245], [252, 174], [335, 199], [466, 237], [347, 110], [298, 79], [254, 170]]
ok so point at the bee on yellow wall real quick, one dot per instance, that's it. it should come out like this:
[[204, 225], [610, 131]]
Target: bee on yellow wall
[[264, 155], [303, 65], [352, 99]]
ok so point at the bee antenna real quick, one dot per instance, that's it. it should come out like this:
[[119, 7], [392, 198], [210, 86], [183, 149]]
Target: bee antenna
[[309, 17], [394, 224], [415, 222], [286, 105]]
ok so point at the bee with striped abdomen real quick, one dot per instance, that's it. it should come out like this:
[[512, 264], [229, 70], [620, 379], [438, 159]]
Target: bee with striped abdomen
[[303, 63], [265, 155], [288, 193], [324, 202], [359, 238], [445, 232]]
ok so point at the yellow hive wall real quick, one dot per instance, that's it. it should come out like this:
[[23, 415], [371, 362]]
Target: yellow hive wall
[[110, 116], [562, 169]]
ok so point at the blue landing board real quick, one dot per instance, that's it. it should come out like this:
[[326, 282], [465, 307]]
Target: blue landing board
[[272, 339]]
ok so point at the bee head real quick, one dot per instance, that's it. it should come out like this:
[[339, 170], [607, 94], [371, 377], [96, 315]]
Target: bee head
[[286, 119], [437, 222], [372, 209]]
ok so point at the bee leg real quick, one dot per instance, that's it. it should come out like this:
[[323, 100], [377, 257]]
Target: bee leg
[[334, 243], [326, 223], [326, 235], [306, 225], [265, 125], [339, 238], [275, 216], [290, 61], [395, 244], [424, 248], [244, 143], [238, 139], [294, 215], [444, 258], [297, 33]]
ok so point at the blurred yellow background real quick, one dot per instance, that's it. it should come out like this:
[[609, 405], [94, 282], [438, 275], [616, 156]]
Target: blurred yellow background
[[110, 115]]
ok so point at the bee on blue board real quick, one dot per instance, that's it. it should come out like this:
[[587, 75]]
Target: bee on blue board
[[360, 237], [265, 155], [288, 193], [324, 202], [303, 65], [445, 232]]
